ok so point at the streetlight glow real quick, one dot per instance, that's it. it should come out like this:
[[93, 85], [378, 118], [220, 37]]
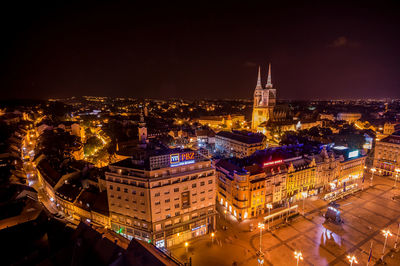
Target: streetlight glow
[[352, 259], [373, 170], [298, 256], [269, 206], [261, 226], [386, 233]]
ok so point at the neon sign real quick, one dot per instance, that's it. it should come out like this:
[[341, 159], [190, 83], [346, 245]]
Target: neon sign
[[272, 163], [353, 154], [178, 159]]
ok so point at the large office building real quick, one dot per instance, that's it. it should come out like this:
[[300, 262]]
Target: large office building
[[387, 154], [165, 196], [239, 143]]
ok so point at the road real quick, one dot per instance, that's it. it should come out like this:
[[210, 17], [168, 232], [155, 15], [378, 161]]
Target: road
[[365, 215]]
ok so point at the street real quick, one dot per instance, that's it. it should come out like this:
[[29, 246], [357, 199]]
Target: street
[[365, 215]]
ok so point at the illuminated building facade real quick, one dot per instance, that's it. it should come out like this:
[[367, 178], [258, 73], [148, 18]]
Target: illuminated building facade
[[245, 190], [166, 196], [301, 177], [276, 176], [348, 117], [264, 101], [239, 143], [387, 154]]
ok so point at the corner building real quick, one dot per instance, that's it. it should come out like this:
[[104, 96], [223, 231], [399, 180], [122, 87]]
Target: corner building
[[387, 155], [166, 196]]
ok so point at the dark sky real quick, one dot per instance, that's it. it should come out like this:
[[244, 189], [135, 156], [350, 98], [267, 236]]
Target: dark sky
[[322, 49]]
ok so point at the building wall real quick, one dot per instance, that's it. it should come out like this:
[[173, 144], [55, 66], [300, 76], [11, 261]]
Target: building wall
[[386, 158], [159, 204], [236, 148]]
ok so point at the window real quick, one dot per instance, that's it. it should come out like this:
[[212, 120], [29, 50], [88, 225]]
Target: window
[[111, 187], [177, 205], [167, 200], [193, 185], [157, 203], [210, 181], [142, 194], [202, 199], [202, 183], [157, 194], [118, 189], [166, 192], [177, 213], [167, 216], [134, 192], [176, 189], [125, 190]]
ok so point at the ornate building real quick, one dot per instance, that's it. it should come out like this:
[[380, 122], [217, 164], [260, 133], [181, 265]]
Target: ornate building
[[264, 101]]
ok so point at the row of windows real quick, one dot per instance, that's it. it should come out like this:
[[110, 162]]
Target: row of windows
[[194, 185], [126, 190]]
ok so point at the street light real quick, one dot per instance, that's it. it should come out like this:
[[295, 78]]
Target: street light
[[298, 256], [186, 246], [352, 259], [397, 236], [269, 206], [397, 174], [386, 233], [373, 170], [261, 226], [212, 237], [304, 195]]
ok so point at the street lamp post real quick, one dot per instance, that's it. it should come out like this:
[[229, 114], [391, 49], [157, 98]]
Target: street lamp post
[[397, 236], [261, 226], [352, 259], [298, 256], [373, 170], [212, 237], [397, 174], [386, 233], [186, 246], [269, 206], [304, 195]]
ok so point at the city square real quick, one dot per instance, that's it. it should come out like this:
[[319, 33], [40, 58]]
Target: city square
[[365, 215]]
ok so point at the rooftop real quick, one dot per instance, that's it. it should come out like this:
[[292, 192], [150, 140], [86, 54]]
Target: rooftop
[[242, 136]]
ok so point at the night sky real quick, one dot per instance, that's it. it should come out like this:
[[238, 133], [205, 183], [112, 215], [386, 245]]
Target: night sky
[[329, 50]]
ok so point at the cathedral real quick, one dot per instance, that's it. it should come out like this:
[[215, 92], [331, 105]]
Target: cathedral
[[264, 101]]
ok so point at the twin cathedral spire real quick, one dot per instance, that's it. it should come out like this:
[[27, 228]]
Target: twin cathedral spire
[[264, 100], [267, 96]]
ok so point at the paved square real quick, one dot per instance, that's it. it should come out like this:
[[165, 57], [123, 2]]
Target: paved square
[[365, 215]]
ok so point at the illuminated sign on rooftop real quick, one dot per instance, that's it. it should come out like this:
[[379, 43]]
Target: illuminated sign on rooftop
[[353, 154], [272, 163], [178, 159]]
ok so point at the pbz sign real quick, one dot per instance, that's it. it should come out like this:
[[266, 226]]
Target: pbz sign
[[181, 158]]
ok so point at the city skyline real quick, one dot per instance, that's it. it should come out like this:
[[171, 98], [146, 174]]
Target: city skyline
[[317, 51]]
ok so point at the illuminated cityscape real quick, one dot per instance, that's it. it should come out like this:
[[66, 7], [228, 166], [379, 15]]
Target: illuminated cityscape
[[256, 133]]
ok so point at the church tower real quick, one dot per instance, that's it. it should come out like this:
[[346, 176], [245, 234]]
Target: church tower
[[264, 101], [142, 129]]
